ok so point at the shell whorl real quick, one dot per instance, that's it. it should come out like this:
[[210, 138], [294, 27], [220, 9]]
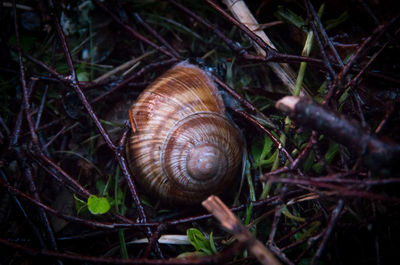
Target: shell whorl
[[183, 147]]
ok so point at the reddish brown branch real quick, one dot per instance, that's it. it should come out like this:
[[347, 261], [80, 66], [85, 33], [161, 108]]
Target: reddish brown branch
[[378, 155], [328, 231], [132, 31], [101, 260]]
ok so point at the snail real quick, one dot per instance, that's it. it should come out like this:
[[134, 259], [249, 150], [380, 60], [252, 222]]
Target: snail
[[183, 147]]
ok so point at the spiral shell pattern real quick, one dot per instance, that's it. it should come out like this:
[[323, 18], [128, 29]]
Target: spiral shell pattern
[[183, 147]]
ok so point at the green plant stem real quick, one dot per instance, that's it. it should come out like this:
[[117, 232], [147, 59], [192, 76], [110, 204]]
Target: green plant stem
[[299, 82], [121, 235], [124, 251]]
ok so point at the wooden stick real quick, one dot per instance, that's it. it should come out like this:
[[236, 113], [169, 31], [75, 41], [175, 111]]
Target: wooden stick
[[229, 222], [242, 13]]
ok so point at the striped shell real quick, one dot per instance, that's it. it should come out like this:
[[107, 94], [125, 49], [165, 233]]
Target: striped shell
[[183, 147]]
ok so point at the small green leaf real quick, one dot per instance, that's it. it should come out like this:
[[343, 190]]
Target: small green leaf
[[317, 167], [309, 161], [200, 242], [98, 205], [212, 244], [332, 151], [196, 238], [289, 16], [80, 205], [331, 23], [83, 76], [260, 148]]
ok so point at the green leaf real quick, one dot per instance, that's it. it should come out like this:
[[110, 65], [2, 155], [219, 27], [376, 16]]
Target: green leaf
[[290, 17], [331, 23], [332, 151], [317, 167], [80, 205], [259, 150], [309, 161], [83, 76], [196, 238], [98, 205], [200, 242], [212, 244]]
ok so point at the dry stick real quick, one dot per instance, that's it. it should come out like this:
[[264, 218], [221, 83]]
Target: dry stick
[[71, 183], [141, 72], [376, 20], [35, 140], [241, 12], [299, 228], [42, 213], [358, 182], [270, 243], [325, 57], [5, 128], [67, 79], [297, 162], [102, 260], [89, 223], [274, 227], [132, 31], [35, 231], [41, 107], [236, 47], [244, 102], [353, 82], [88, 107], [338, 190], [272, 55], [315, 17], [75, 186], [229, 222], [328, 231], [388, 113], [364, 47], [270, 52], [122, 67], [378, 155], [270, 135], [156, 35], [153, 240]]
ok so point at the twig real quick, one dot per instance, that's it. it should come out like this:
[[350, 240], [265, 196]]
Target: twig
[[328, 231], [35, 140], [315, 17], [35, 231], [103, 260], [242, 13], [121, 160], [132, 31], [141, 72], [122, 67], [378, 155], [229, 222], [267, 132], [156, 35]]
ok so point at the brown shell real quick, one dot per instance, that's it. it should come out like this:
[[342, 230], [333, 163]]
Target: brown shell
[[180, 121]]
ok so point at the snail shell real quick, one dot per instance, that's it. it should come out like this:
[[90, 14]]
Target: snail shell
[[183, 147]]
